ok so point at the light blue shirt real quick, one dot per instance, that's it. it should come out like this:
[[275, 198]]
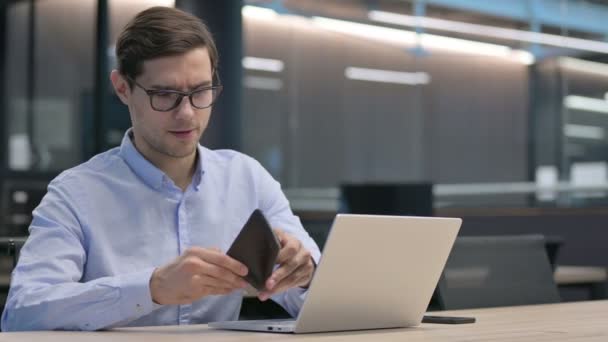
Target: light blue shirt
[[105, 225]]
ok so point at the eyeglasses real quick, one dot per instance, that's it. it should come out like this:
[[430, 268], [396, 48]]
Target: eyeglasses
[[167, 100]]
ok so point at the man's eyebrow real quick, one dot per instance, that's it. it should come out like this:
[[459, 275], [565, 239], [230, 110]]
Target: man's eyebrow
[[161, 87], [168, 87], [202, 84]]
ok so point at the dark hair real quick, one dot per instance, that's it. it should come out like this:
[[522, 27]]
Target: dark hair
[[161, 32]]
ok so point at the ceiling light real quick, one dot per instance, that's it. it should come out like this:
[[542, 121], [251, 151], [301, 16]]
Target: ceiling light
[[263, 64], [263, 83], [403, 37], [387, 76], [258, 12], [489, 31]]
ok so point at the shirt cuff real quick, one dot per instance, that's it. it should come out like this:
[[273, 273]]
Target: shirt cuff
[[135, 295], [301, 293]]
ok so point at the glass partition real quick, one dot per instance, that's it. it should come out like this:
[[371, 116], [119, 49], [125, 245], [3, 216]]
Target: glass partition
[[497, 103]]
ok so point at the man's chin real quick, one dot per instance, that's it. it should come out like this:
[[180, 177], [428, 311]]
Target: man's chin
[[181, 152]]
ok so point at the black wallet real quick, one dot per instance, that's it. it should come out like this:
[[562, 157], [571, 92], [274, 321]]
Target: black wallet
[[257, 247]]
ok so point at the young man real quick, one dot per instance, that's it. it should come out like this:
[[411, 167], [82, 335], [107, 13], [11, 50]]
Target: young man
[[136, 235]]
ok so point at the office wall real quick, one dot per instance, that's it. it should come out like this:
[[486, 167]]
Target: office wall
[[469, 124]]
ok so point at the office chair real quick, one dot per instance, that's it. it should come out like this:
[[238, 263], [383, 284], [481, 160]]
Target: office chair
[[495, 271]]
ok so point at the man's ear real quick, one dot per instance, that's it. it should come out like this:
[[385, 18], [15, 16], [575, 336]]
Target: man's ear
[[121, 86]]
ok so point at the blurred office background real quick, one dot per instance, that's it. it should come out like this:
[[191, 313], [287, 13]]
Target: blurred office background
[[498, 108]]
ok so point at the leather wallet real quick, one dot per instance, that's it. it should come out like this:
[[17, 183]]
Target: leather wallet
[[257, 247]]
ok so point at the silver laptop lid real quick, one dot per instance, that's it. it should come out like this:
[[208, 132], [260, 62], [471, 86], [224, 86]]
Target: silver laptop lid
[[377, 272]]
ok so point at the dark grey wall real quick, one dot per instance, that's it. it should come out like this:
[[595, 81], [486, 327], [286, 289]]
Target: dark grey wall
[[546, 111], [224, 21]]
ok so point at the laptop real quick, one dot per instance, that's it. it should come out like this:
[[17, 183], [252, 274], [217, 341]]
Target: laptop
[[375, 272]]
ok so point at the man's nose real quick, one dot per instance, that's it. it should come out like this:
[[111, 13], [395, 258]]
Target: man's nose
[[184, 109]]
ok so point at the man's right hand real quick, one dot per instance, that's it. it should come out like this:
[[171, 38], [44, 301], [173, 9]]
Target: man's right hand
[[197, 273]]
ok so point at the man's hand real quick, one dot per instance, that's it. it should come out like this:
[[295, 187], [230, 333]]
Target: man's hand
[[295, 267], [199, 272]]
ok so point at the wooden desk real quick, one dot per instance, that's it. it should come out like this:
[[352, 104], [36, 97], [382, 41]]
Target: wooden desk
[[581, 321]]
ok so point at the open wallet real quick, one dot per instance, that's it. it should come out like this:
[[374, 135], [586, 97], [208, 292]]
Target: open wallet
[[257, 247]]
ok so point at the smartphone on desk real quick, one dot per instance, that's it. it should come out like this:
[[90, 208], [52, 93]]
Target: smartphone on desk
[[257, 247], [447, 319]]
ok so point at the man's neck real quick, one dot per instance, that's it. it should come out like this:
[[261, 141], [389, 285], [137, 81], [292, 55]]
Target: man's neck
[[179, 170]]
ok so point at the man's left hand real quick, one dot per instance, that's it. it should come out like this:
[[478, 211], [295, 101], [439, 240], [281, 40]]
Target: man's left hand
[[296, 267]]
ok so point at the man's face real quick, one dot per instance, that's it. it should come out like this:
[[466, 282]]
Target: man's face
[[174, 133]]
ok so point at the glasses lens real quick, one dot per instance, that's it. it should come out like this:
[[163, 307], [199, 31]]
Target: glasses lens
[[204, 97], [164, 101]]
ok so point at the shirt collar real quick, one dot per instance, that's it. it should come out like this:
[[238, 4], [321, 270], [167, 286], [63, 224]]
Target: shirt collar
[[150, 174]]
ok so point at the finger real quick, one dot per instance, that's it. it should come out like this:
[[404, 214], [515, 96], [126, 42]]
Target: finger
[[306, 278], [211, 285], [284, 285], [222, 275], [281, 236], [279, 233], [218, 290], [299, 277], [196, 266], [280, 274], [213, 290], [218, 258], [200, 282], [290, 248], [305, 273], [302, 258]]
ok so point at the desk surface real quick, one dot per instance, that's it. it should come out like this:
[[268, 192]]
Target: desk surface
[[582, 321]]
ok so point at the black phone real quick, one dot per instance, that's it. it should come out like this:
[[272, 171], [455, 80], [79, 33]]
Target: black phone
[[257, 247], [448, 319]]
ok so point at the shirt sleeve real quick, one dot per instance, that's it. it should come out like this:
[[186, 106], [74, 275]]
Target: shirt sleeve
[[276, 208], [46, 290]]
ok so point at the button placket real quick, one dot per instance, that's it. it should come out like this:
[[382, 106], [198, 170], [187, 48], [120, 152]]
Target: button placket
[[184, 243]]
